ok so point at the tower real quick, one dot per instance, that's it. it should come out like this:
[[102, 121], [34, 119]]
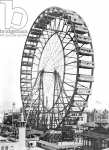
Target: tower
[[22, 134]]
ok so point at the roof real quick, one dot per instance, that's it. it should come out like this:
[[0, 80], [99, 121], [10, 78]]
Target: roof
[[34, 132], [95, 135], [90, 124], [107, 139], [2, 138], [62, 145]]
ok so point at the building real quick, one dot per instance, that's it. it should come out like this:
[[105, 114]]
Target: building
[[14, 144], [21, 143], [94, 140], [98, 116], [1, 118], [82, 117]]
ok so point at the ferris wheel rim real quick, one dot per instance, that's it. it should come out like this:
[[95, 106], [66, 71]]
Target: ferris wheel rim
[[63, 50]]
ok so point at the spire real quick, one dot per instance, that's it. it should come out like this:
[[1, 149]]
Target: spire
[[22, 121], [13, 107], [22, 117]]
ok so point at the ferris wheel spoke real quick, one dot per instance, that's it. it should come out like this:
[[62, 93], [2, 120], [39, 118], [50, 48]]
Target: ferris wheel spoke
[[73, 50], [64, 90], [68, 84], [59, 24], [35, 64], [41, 44], [70, 62], [49, 34], [43, 38], [66, 44], [63, 103], [83, 86], [50, 25], [81, 46], [63, 25], [54, 25], [66, 32], [84, 99], [70, 74], [37, 57], [38, 48], [71, 57]]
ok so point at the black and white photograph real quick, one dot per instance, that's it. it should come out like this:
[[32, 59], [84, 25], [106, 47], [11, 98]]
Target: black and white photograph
[[54, 75]]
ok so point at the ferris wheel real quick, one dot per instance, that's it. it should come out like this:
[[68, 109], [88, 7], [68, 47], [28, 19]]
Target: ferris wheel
[[56, 69]]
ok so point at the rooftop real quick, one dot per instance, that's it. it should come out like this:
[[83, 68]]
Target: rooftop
[[94, 135]]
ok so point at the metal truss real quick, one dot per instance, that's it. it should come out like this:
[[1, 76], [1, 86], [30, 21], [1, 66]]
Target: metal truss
[[56, 69]]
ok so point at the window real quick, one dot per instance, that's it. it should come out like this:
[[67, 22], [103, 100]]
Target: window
[[81, 118], [6, 148], [2, 147]]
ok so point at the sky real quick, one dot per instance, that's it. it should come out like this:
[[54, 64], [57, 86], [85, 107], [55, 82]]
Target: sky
[[96, 16]]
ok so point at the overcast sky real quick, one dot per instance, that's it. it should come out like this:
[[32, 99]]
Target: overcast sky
[[96, 16]]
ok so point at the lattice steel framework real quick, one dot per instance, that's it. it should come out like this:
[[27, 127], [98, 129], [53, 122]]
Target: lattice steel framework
[[56, 69]]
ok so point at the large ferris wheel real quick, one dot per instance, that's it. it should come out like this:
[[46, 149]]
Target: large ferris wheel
[[56, 69]]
